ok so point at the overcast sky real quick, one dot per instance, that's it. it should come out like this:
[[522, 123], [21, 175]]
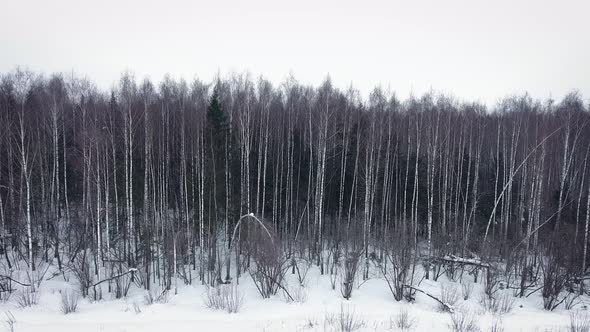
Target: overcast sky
[[476, 50]]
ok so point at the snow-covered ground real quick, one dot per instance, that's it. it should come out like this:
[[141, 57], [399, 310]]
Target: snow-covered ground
[[371, 302]]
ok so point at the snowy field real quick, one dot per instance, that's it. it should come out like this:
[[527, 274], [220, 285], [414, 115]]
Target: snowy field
[[371, 305]]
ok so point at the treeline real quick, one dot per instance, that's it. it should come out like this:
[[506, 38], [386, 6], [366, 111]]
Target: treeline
[[157, 177]]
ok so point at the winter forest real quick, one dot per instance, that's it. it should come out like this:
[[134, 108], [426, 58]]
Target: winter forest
[[248, 190]]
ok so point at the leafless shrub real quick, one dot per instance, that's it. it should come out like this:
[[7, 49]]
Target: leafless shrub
[[403, 320], [302, 267], [214, 298], [5, 296], [491, 282], [579, 321], [39, 273], [297, 294], [553, 284], [69, 302], [9, 321], [96, 293], [572, 300], [140, 276], [334, 258], [506, 302], [497, 325], [463, 322], [154, 296], [488, 304], [554, 275], [451, 270], [466, 290], [499, 303], [269, 268], [224, 297], [81, 269], [27, 297], [5, 284], [348, 319], [449, 295], [351, 264], [149, 298], [234, 299], [122, 282], [329, 320], [399, 267]]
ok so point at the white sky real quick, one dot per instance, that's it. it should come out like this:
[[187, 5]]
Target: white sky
[[476, 50]]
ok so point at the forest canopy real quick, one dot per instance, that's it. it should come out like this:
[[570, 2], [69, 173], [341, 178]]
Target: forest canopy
[[148, 176]]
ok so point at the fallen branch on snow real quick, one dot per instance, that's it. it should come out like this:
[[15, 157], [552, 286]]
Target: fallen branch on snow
[[132, 270], [446, 306]]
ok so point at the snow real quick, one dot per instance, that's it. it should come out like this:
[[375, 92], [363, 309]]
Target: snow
[[371, 301]]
